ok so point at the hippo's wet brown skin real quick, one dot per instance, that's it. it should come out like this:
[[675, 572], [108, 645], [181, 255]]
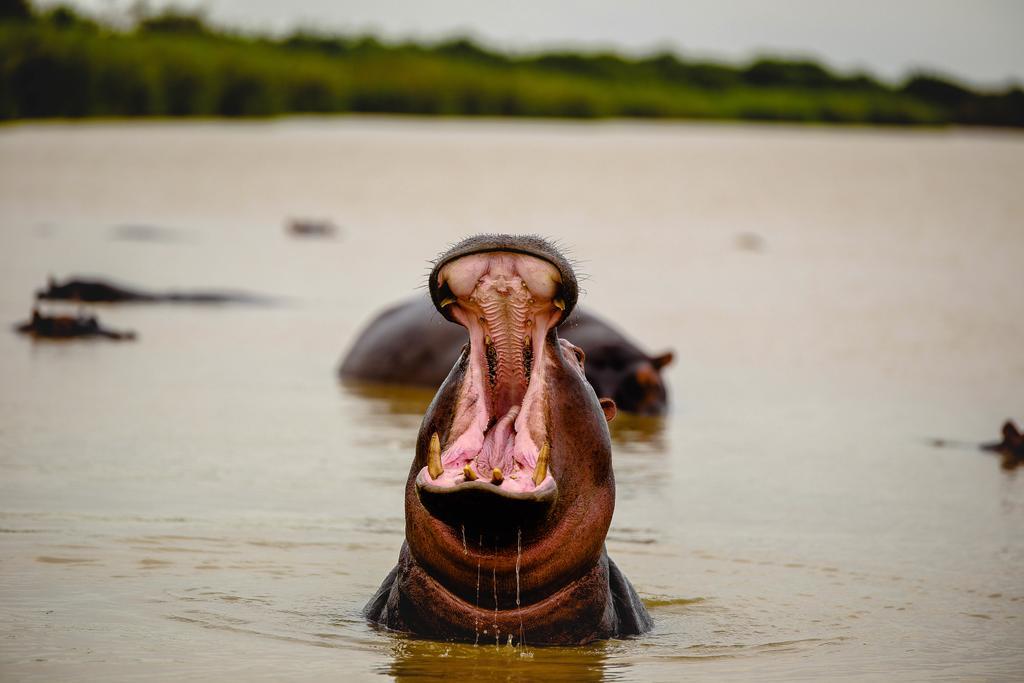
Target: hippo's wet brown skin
[[511, 491]]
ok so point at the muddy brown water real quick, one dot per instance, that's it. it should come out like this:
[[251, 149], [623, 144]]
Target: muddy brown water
[[208, 503]]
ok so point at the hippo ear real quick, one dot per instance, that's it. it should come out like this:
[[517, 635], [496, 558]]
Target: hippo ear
[[610, 411], [661, 361]]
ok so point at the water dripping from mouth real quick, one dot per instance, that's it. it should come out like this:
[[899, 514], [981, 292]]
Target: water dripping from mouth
[[465, 550], [519, 556], [494, 587], [476, 622]]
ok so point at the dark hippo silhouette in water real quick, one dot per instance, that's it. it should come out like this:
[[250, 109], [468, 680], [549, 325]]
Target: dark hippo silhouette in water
[[42, 326], [511, 489], [88, 290], [617, 368], [1011, 447], [410, 343]]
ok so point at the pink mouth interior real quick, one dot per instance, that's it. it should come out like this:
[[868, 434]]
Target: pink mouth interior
[[508, 303]]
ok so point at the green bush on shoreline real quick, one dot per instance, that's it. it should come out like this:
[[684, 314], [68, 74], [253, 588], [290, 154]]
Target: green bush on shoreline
[[59, 64]]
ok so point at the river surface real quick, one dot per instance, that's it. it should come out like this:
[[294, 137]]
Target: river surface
[[209, 503]]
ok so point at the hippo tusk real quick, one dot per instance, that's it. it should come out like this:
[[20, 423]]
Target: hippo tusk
[[540, 472], [434, 457], [468, 472], [496, 476]]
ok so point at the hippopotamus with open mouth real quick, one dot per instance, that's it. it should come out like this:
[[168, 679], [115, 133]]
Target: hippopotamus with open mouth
[[511, 490]]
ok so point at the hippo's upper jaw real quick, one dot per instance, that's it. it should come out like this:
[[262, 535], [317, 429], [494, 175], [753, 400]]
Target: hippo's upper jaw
[[498, 441]]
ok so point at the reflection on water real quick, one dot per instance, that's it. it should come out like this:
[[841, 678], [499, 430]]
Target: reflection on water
[[639, 432], [386, 399], [208, 504], [417, 659]]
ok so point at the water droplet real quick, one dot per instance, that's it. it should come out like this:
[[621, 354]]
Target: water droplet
[[519, 557], [494, 588], [476, 623]]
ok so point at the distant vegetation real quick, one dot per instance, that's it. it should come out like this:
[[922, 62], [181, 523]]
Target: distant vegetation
[[60, 63]]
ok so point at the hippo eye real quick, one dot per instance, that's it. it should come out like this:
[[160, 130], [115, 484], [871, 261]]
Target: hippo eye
[[580, 356]]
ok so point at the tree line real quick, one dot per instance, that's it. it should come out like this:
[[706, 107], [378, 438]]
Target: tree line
[[58, 62]]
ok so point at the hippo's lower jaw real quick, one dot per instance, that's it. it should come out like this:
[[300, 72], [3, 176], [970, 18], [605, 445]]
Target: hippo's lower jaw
[[507, 512], [544, 494], [498, 441]]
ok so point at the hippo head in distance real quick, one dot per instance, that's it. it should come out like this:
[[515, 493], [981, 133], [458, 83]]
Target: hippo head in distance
[[511, 490]]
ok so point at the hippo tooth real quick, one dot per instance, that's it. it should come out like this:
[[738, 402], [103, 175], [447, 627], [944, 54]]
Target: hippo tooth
[[496, 476], [434, 457], [540, 472], [468, 472], [559, 303], [447, 301]]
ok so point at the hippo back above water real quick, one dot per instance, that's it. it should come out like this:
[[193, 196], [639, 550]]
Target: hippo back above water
[[410, 343]]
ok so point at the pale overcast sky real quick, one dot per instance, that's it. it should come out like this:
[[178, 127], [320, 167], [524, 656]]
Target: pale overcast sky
[[981, 41]]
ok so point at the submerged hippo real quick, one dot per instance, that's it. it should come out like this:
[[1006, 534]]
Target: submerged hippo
[[617, 368], [1011, 447], [410, 343], [511, 489], [42, 326], [84, 290]]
